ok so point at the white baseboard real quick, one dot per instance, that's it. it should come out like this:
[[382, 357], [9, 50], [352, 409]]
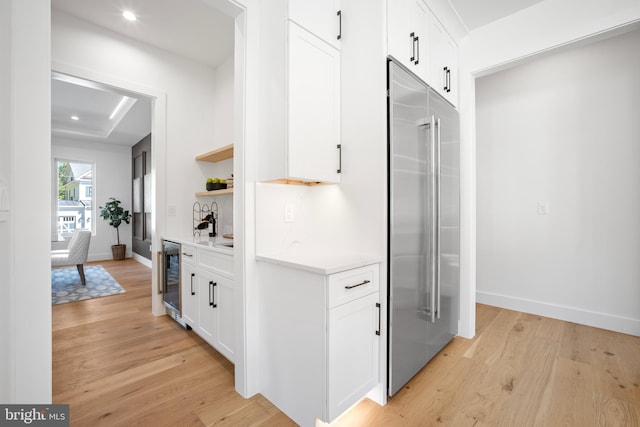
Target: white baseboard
[[142, 260], [612, 322], [100, 256]]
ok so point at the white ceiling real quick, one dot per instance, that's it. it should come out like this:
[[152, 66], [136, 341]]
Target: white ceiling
[[477, 13], [189, 28], [94, 106]]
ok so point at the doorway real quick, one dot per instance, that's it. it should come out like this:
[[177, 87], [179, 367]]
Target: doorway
[[96, 124]]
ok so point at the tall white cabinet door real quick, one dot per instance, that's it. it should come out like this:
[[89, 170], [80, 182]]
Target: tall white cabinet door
[[353, 352], [189, 297], [224, 337], [321, 17], [314, 107], [206, 307]]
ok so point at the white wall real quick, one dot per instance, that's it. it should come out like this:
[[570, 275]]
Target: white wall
[[222, 110], [544, 26], [562, 129], [25, 326], [548, 25], [6, 318], [112, 179], [190, 89]]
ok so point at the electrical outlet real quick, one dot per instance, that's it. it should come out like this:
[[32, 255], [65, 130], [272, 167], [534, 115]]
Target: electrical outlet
[[543, 208], [288, 213]]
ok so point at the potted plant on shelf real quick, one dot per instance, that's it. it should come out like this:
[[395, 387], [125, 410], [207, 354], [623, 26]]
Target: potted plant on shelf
[[116, 215]]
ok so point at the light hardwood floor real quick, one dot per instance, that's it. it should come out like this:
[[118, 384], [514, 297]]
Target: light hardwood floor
[[117, 365]]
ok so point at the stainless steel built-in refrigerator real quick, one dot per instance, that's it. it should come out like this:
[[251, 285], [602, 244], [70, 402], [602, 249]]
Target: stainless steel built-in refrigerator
[[424, 230]]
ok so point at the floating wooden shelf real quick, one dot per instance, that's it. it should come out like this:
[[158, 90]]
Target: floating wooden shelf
[[218, 155], [215, 192]]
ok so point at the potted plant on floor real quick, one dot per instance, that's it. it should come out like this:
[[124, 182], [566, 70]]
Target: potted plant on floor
[[116, 215]]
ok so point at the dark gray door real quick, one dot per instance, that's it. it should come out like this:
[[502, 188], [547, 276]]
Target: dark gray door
[[141, 217]]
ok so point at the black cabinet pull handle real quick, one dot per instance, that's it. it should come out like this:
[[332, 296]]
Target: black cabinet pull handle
[[339, 13], [212, 294], [359, 284], [192, 276], [417, 50], [339, 146], [379, 314], [445, 78], [448, 79], [413, 46]]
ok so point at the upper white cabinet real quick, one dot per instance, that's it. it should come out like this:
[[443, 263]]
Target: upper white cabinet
[[301, 92], [417, 40], [322, 18], [408, 35], [444, 62], [314, 108]]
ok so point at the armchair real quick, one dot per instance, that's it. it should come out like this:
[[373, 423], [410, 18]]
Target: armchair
[[75, 254]]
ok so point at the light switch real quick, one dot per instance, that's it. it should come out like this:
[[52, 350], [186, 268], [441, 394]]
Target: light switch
[[288, 213], [543, 208]]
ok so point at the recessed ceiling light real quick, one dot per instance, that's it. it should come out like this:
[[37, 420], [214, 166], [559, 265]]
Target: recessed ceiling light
[[75, 118], [129, 16], [118, 107]]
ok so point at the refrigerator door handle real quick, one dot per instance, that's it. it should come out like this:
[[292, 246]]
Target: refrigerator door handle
[[434, 221], [438, 212]]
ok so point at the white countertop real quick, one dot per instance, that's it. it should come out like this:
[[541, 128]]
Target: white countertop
[[321, 262], [216, 244]]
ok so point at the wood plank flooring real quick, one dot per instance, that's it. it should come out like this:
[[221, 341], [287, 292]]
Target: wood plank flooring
[[117, 365]]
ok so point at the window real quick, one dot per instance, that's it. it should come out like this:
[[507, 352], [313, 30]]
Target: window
[[76, 207]]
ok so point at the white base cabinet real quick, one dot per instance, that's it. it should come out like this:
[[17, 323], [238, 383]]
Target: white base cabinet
[[207, 296], [321, 336]]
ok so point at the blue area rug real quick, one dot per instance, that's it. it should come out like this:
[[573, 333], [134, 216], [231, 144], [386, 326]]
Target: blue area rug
[[67, 287]]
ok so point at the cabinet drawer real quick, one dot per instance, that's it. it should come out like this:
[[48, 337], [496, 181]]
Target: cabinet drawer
[[187, 254], [216, 261], [352, 284]]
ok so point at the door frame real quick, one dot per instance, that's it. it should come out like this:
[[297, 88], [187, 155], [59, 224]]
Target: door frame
[[158, 156]]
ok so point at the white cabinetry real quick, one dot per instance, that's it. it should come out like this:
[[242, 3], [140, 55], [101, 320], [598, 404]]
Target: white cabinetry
[[321, 338], [444, 62], [314, 108], [189, 299], [417, 40], [302, 99], [207, 296], [322, 18], [408, 35], [353, 333]]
